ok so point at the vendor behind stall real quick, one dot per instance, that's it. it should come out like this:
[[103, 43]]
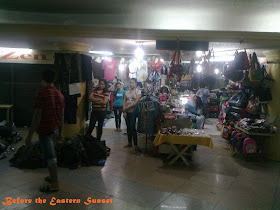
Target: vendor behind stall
[[194, 110]]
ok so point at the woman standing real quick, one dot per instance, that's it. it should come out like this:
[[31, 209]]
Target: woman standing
[[131, 98], [99, 99], [118, 103]]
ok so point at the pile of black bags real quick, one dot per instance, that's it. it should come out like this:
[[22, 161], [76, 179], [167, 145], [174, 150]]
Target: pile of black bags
[[80, 150], [8, 136]]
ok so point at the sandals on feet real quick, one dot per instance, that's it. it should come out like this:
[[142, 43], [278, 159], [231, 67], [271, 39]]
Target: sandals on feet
[[49, 188], [126, 146], [48, 179]]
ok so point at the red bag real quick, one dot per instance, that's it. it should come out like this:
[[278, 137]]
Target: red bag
[[176, 69]]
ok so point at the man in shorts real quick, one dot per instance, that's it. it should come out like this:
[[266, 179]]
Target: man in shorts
[[48, 120]]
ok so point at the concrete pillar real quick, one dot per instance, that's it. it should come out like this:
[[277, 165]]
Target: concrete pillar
[[272, 144], [72, 129]]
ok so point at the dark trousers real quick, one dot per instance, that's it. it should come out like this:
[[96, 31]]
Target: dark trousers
[[118, 116], [97, 116], [131, 128], [205, 110]]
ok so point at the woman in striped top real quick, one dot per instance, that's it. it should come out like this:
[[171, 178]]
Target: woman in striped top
[[99, 99]]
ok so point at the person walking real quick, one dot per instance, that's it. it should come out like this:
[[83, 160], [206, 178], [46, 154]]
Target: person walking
[[48, 121], [131, 98], [99, 99], [203, 93], [118, 93]]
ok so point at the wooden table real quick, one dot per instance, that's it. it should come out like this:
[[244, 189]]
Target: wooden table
[[9, 110], [181, 143]]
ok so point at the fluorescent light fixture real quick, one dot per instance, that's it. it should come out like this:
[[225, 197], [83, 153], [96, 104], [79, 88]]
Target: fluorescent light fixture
[[222, 58], [217, 71], [189, 62], [17, 50], [101, 52], [198, 53], [199, 68], [139, 53]]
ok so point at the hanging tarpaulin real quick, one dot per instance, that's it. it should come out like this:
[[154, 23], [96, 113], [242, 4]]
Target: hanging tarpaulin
[[18, 55]]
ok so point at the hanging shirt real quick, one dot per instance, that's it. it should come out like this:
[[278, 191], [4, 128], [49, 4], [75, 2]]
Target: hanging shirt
[[121, 71], [131, 98], [147, 111], [157, 66], [97, 70], [118, 98], [133, 69], [109, 69], [142, 71]]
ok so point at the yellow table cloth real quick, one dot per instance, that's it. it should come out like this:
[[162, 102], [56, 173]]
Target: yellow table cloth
[[181, 139]]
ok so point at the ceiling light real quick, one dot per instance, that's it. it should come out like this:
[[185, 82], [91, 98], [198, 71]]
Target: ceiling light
[[139, 53], [17, 50], [217, 71], [222, 58], [198, 53], [199, 68], [101, 52]]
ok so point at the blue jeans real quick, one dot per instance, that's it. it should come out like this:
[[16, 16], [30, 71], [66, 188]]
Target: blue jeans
[[47, 144]]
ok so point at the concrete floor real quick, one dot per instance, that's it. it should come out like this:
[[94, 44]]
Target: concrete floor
[[215, 180]]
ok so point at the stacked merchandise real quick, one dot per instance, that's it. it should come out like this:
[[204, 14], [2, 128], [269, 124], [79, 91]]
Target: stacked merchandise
[[8, 136], [72, 153], [213, 106]]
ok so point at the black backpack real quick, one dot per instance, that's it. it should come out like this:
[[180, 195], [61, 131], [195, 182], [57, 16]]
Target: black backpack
[[94, 150], [70, 152], [29, 157]]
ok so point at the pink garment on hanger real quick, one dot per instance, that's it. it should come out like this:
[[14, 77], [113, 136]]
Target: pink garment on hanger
[[109, 69]]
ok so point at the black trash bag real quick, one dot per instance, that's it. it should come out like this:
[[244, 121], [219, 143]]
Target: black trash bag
[[29, 157], [94, 150], [70, 152], [7, 128]]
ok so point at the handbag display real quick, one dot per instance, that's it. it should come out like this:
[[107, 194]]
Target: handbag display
[[253, 106], [256, 73], [240, 62], [176, 69]]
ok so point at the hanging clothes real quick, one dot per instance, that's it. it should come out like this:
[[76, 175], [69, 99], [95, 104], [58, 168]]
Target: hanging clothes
[[147, 112], [72, 68], [121, 71], [154, 78], [97, 70], [109, 69], [142, 71], [157, 65], [133, 66]]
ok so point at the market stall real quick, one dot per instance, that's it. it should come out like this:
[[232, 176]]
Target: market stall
[[244, 120], [182, 141]]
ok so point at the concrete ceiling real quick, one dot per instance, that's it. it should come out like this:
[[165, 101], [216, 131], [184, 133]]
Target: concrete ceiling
[[216, 15], [115, 25]]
